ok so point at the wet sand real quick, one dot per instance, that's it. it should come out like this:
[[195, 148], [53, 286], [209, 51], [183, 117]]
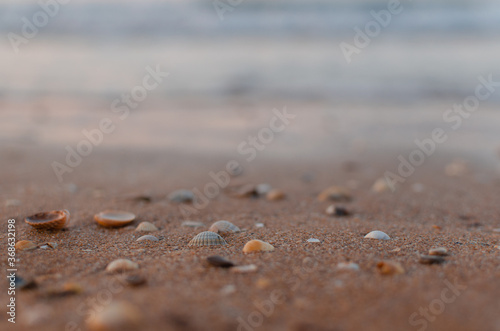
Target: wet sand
[[183, 293]]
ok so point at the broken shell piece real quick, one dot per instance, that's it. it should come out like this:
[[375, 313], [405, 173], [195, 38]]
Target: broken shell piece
[[313, 240], [121, 265], [181, 196], [441, 251], [275, 195], [224, 227], [134, 280], [115, 316], [219, 261], [114, 218], [339, 211], [257, 246], [242, 269], [431, 259], [25, 245], [348, 266], [146, 227], [377, 235], [192, 224], [335, 193], [147, 238], [380, 186], [52, 220], [207, 238], [390, 268]]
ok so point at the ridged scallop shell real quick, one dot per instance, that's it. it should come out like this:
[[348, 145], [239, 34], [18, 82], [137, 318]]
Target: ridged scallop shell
[[224, 227], [52, 220], [377, 235], [147, 237], [114, 218], [207, 238], [121, 265], [146, 227], [257, 246], [25, 245]]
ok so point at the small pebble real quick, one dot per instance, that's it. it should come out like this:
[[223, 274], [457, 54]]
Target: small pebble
[[242, 269], [147, 237], [335, 193], [441, 251], [430, 259], [275, 195], [219, 261], [23, 284], [135, 280], [390, 268], [192, 224], [348, 266], [313, 240], [339, 211], [380, 186], [121, 265], [259, 225], [377, 235], [181, 196], [245, 191], [228, 289], [263, 189], [115, 316]]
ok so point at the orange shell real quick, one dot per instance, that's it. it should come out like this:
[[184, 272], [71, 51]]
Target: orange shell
[[25, 245], [114, 218], [52, 220], [257, 246]]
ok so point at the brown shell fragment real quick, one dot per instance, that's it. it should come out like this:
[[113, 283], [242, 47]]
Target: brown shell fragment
[[207, 238], [390, 268], [114, 218], [257, 246], [25, 245], [275, 195], [439, 251], [219, 261], [431, 259], [52, 220]]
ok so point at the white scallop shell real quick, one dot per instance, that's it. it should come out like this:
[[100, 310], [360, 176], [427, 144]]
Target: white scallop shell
[[207, 238], [377, 235]]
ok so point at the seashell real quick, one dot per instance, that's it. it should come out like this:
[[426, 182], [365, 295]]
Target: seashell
[[66, 290], [25, 245], [333, 210], [224, 227], [348, 266], [242, 269], [377, 235], [52, 220], [121, 265], [380, 185], [181, 196], [437, 227], [147, 237], [257, 246], [390, 268], [313, 240], [219, 261], [263, 189], [48, 245], [275, 195], [146, 227], [431, 259], [335, 193], [207, 238], [115, 316], [114, 218], [440, 251], [259, 225], [192, 224]]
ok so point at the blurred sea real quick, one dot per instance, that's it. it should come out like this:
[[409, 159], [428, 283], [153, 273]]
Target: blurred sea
[[262, 49]]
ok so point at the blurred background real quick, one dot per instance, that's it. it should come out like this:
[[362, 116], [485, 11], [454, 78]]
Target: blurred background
[[226, 75]]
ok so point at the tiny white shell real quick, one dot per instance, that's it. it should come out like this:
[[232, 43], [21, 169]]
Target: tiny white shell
[[377, 235], [147, 237], [259, 225], [146, 227], [244, 269], [348, 266], [313, 240], [121, 265]]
